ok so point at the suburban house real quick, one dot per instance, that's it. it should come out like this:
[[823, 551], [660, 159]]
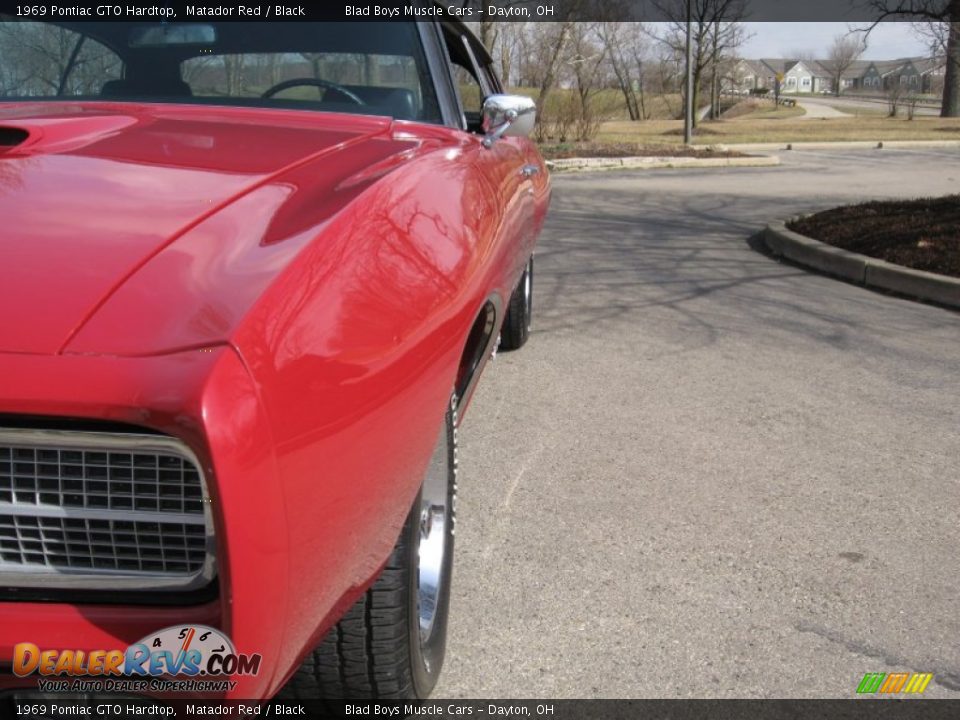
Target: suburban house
[[881, 75], [922, 75], [747, 75], [851, 79], [799, 76]]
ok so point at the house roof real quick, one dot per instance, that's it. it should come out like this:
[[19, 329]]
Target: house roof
[[779, 65], [820, 68], [926, 65], [815, 67], [885, 67], [755, 66], [857, 69]]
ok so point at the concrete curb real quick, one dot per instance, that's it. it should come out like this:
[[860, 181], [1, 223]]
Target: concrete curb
[[653, 163], [867, 271], [842, 145]]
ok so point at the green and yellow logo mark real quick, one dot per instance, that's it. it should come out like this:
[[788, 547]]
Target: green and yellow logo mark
[[894, 683]]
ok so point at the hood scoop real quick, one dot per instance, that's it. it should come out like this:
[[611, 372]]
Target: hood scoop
[[10, 137]]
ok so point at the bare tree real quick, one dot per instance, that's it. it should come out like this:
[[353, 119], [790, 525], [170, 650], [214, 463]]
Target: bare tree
[[503, 41], [489, 32], [194, 70], [717, 31], [551, 45], [626, 50], [844, 52], [894, 99], [934, 35], [937, 11], [233, 73], [667, 78], [43, 59], [805, 55], [641, 65], [315, 60], [586, 62], [506, 48], [911, 100]]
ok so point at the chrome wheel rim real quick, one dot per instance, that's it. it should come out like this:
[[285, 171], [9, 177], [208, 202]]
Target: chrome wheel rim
[[436, 521], [528, 293]]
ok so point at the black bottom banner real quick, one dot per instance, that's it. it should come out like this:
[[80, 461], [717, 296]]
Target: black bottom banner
[[117, 709]]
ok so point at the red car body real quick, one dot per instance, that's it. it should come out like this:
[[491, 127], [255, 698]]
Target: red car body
[[290, 294]]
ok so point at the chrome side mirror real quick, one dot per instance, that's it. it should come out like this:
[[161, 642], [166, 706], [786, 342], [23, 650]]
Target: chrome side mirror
[[507, 116]]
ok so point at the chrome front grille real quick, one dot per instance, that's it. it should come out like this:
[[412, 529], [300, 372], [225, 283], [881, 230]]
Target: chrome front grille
[[97, 510], [81, 478], [91, 544]]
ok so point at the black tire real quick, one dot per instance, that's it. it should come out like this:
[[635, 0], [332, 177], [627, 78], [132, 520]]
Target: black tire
[[516, 325], [381, 649]]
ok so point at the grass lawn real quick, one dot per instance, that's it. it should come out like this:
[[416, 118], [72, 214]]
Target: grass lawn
[[757, 128], [750, 121]]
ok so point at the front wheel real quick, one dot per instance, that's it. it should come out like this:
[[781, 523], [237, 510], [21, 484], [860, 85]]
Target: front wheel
[[391, 643], [516, 325]]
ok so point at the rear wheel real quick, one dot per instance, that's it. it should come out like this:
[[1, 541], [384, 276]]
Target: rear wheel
[[516, 325], [391, 643]]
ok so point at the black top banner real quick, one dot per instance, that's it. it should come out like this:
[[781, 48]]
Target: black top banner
[[480, 10]]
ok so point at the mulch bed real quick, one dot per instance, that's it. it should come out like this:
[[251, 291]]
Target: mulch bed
[[611, 150], [921, 234]]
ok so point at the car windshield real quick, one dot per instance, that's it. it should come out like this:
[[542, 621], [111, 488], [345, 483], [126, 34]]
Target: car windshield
[[367, 68]]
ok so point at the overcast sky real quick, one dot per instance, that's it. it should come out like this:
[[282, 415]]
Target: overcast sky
[[784, 39]]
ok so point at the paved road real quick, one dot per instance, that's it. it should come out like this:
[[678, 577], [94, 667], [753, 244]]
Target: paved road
[[818, 109], [852, 105], [711, 474]]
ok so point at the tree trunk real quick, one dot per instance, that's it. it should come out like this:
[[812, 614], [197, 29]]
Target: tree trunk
[[505, 64], [488, 34], [951, 79], [631, 104], [714, 74], [634, 105], [697, 79], [641, 98], [626, 87], [713, 94], [546, 85]]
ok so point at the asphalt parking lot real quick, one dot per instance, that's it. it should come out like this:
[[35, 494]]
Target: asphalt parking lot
[[710, 474]]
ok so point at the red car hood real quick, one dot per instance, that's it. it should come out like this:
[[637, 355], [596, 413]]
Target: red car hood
[[95, 192]]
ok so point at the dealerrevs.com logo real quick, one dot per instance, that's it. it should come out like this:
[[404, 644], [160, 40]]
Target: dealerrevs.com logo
[[192, 658]]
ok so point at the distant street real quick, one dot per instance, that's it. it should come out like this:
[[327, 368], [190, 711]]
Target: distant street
[[851, 104], [710, 474], [817, 109]]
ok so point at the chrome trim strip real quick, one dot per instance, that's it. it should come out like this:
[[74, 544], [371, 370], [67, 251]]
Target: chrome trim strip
[[97, 578], [52, 511], [493, 337]]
